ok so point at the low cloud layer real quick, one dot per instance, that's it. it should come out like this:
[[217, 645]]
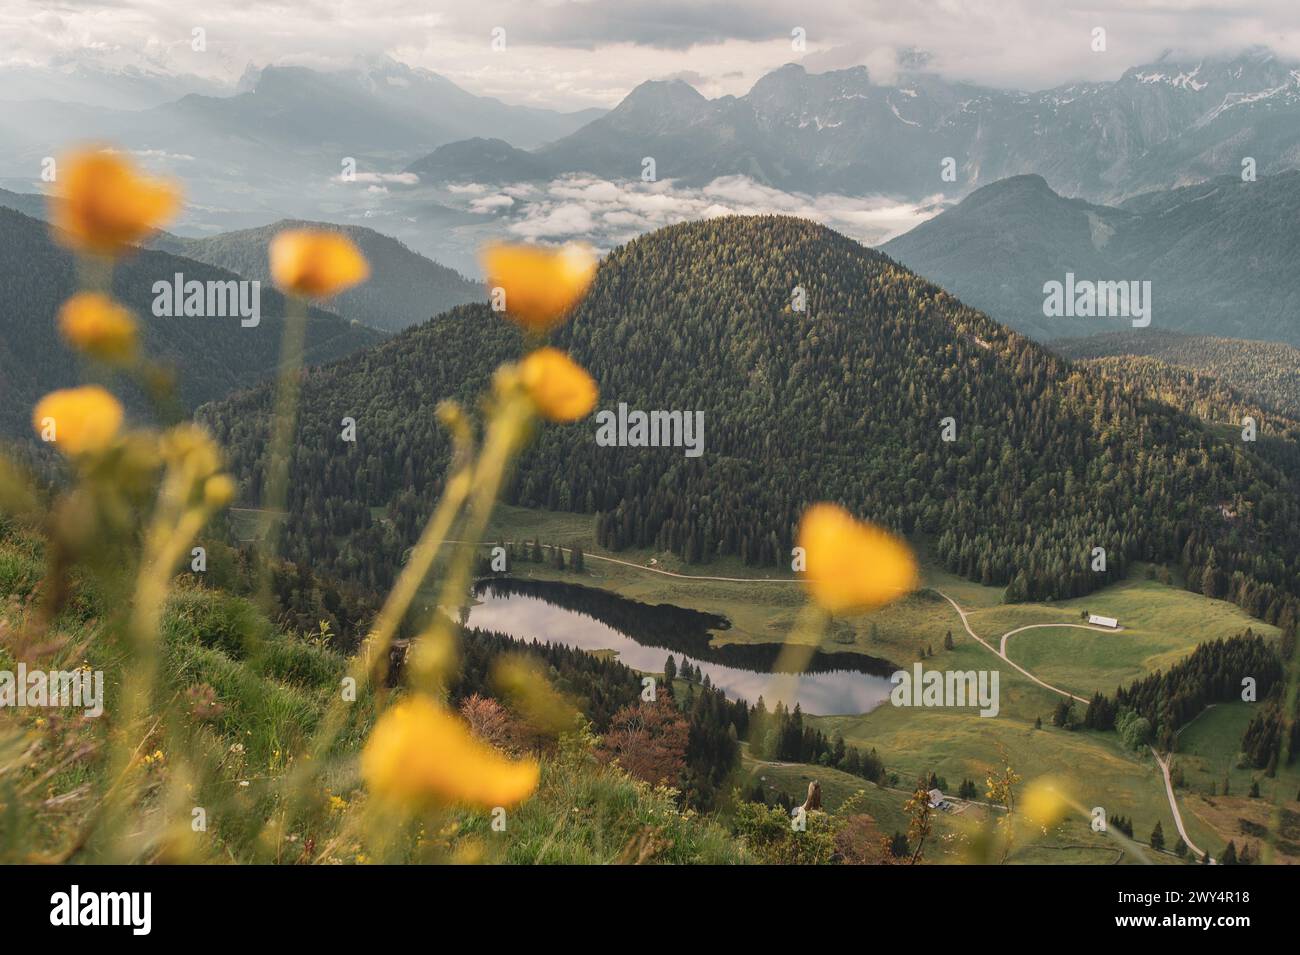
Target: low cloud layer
[[607, 213]]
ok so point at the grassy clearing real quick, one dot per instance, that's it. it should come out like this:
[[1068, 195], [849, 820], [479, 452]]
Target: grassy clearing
[[1208, 756], [1161, 625], [759, 611]]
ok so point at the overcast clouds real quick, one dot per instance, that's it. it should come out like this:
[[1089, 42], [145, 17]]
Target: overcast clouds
[[575, 53]]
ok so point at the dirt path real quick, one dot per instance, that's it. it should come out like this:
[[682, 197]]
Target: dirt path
[[652, 570], [988, 646], [1002, 651], [1164, 765], [1173, 804]]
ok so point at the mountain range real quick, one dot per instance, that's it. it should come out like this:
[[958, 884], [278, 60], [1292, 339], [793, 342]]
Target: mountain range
[[1160, 125], [1220, 255], [373, 107], [277, 145]]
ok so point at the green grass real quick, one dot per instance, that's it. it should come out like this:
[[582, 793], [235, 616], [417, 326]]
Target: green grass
[[1208, 751], [272, 690], [1161, 625], [588, 814], [959, 744]]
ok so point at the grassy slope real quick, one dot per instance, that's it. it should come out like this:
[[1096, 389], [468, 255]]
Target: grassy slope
[[1208, 753], [274, 689], [1161, 625]]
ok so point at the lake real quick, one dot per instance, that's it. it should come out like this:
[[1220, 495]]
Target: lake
[[643, 635]]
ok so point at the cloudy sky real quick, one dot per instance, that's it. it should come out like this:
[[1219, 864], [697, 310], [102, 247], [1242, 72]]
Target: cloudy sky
[[575, 53]]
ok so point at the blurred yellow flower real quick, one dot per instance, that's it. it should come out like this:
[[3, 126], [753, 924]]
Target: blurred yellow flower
[[316, 263], [190, 446], [98, 326], [78, 420], [105, 205], [852, 566], [1043, 803], [560, 387], [218, 491], [420, 754], [541, 285]]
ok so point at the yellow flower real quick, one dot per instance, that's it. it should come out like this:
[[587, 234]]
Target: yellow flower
[[541, 285], [98, 326], [1043, 803], [852, 566], [420, 754], [78, 420], [190, 446], [316, 263], [106, 206], [218, 491], [560, 388]]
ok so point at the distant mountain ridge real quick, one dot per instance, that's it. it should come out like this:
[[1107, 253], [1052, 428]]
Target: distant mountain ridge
[[404, 287], [480, 160], [281, 137], [28, 203], [212, 356], [1161, 125], [1220, 255]]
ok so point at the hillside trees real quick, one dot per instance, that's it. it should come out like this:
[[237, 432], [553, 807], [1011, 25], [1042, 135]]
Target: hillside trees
[[842, 401]]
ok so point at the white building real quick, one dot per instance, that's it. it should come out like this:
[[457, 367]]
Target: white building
[[1100, 621]]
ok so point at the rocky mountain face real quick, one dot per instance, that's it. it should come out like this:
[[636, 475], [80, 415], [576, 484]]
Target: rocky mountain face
[[1219, 255], [1160, 125]]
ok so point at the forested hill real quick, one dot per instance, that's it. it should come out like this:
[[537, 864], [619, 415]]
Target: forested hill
[[212, 356], [404, 287], [1277, 437], [843, 400], [1269, 372]]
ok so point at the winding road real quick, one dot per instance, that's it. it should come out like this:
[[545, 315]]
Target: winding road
[[1173, 804], [1002, 652]]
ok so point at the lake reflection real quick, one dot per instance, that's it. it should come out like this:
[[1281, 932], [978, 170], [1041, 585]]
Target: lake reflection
[[530, 610]]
